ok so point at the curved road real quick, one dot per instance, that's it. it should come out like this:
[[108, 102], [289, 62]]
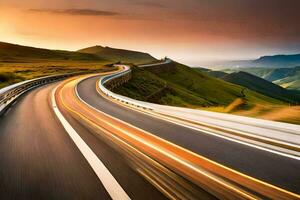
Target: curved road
[[40, 161], [271, 168]]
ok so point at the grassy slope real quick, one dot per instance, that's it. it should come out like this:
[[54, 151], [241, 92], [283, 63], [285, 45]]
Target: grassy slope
[[261, 85], [122, 55], [291, 82], [187, 87], [214, 90], [18, 53], [213, 73], [9, 78], [146, 86], [19, 63], [285, 77], [24, 71], [260, 72]]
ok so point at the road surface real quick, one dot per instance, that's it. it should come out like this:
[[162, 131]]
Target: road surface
[[40, 161], [271, 168]]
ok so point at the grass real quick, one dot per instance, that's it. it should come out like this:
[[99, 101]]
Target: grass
[[187, 87], [291, 82], [285, 77], [14, 72], [17, 53], [19, 63], [8, 78], [262, 86], [214, 91]]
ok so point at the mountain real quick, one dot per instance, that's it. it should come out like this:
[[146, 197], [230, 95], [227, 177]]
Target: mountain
[[288, 78], [116, 55], [292, 81], [181, 85], [281, 73], [275, 61], [17, 53], [262, 86], [278, 61]]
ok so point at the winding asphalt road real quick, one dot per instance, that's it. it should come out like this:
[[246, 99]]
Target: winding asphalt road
[[40, 161], [271, 168]]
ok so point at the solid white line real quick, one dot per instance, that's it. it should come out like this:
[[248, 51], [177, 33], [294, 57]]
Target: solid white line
[[235, 140], [201, 130], [115, 191]]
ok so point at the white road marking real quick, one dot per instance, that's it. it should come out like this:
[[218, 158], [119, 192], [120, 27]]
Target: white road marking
[[253, 145], [115, 191]]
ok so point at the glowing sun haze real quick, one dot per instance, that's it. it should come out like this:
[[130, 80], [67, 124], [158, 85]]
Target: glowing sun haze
[[190, 31]]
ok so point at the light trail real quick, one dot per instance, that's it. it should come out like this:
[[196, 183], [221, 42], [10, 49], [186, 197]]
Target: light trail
[[184, 161]]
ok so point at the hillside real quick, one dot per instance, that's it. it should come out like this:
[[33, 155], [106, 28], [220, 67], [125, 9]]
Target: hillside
[[17, 53], [18, 63], [278, 61], [213, 73], [290, 82], [121, 55], [187, 87], [285, 77], [262, 86], [257, 71]]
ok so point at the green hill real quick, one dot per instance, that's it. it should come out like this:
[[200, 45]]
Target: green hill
[[213, 73], [19, 63], [121, 55], [262, 86], [281, 73], [290, 82], [184, 86], [17, 53], [285, 77], [257, 71]]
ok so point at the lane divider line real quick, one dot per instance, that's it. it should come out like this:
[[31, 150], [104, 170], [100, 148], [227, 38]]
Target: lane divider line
[[111, 185], [179, 147], [169, 119]]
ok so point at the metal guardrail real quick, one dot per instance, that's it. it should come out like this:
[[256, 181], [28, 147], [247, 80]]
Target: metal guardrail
[[118, 97], [10, 93], [256, 126], [283, 133]]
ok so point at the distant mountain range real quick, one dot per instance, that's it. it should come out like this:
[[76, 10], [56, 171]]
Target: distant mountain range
[[261, 85], [182, 85], [17, 53], [288, 78], [256, 83], [276, 61]]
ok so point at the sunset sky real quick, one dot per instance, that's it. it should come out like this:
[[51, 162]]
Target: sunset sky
[[190, 31]]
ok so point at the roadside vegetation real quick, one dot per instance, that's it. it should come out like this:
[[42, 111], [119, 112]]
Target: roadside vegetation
[[188, 87], [184, 86], [175, 84], [15, 72], [18, 63]]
